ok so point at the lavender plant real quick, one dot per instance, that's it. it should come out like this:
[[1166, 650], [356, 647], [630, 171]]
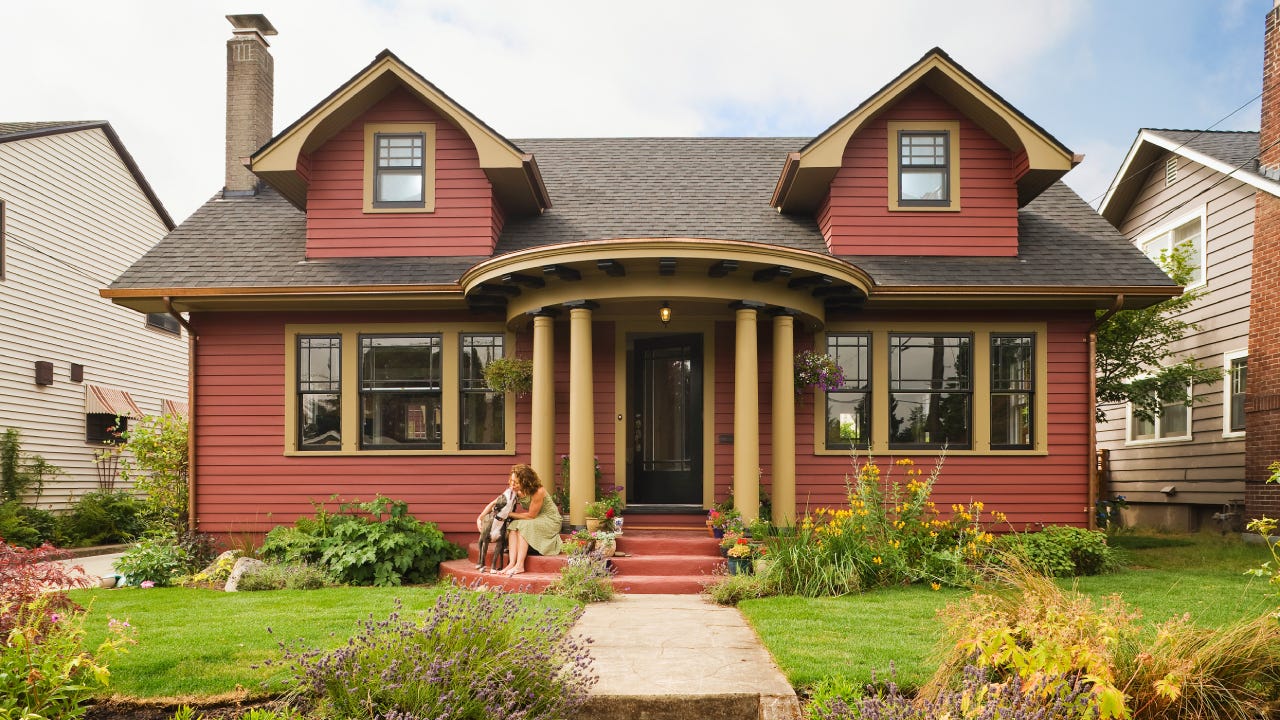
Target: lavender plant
[[472, 655]]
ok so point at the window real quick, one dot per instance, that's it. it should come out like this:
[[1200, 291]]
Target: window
[[922, 168], [104, 428], [1012, 391], [930, 391], [1233, 389], [1173, 423], [1186, 233], [483, 410], [848, 418], [399, 167], [400, 384], [165, 322], [319, 392]]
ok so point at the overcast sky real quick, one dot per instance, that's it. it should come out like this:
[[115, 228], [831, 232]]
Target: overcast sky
[[1089, 72]]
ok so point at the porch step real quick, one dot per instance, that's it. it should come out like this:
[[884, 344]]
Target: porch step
[[642, 520], [654, 562]]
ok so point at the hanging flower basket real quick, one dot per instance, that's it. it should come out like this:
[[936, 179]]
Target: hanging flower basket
[[509, 375], [817, 370]]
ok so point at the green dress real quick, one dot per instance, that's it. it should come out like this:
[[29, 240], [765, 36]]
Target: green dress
[[542, 532]]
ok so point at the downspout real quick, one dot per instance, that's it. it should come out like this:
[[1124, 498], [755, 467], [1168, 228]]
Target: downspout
[[1092, 339], [191, 411]]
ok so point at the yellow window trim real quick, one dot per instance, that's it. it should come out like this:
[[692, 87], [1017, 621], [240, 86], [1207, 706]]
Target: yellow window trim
[[952, 128], [981, 426], [428, 131], [451, 406]]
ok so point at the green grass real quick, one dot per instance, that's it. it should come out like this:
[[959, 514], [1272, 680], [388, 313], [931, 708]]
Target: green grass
[[203, 642], [851, 638]]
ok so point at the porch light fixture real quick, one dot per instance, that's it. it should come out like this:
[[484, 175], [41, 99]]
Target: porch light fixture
[[664, 313]]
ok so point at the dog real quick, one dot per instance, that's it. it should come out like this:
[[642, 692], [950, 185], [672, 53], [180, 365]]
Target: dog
[[493, 529]]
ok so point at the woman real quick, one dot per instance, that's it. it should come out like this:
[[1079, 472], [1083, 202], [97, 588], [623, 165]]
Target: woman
[[535, 531]]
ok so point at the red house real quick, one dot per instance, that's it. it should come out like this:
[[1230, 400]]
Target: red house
[[346, 288]]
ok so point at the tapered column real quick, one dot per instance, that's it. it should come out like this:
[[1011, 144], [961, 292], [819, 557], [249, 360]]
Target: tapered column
[[784, 421], [542, 420], [746, 414], [582, 440]]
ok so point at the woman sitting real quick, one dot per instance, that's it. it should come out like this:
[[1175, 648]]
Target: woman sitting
[[535, 531]]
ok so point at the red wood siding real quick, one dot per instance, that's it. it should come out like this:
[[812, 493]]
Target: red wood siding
[[465, 222], [855, 218]]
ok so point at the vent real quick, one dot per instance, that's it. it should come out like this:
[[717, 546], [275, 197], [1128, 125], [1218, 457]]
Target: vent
[[1170, 171]]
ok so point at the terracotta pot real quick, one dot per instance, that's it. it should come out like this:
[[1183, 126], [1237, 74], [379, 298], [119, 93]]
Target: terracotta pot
[[607, 547], [593, 524], [710, 530]]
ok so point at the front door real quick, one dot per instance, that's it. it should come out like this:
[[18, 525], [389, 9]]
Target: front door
[[666, 437]]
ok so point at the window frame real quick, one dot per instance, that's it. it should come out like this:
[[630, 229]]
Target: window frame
[[164, 322], [464, 391], [968, 391], [1164, 232], [896, 130], [300, 394], [869, 392], [1157, 421], [367, 393], [372, 172], [1030, 392], [1228, 390], [104, 437]]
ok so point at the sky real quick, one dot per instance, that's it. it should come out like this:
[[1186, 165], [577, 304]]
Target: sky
[[1091, 72]]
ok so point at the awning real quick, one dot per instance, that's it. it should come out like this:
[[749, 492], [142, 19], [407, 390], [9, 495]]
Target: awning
[[177, 408], [100, 400]]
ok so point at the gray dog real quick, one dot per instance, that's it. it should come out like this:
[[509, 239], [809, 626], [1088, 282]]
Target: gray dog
[[493, 529]]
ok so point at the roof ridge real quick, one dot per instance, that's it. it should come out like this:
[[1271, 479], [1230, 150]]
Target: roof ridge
[[1216, 132]]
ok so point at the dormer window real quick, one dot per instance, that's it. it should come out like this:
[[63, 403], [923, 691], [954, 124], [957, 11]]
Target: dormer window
[[399, 167], [924, 171]]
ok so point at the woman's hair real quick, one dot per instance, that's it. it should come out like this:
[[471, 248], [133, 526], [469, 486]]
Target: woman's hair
[[526, 479]]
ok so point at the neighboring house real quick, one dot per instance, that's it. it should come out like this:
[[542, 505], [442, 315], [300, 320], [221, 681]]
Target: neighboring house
[[75, 212], [1195, 189], [375, 254]]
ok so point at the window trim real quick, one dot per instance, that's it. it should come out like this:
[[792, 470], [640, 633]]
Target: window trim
[[463, 392], [870, 393], [980, 428], [895, 130], [1035, 383], [298, 395], [371, 133], [370, 392], [936, 446], [1168, 227], [1227, 359], [1157, 440], [450, 380]]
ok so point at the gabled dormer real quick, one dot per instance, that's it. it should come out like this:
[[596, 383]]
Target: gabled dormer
[[390, 166], [934, 163]]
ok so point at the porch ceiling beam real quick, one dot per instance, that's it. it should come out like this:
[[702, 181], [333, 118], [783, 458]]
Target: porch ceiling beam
[[808, 281], [836, 291], [528, 281], [612, 268], [722, 268], [508, 291], [770, 273], [563, 272], [666, 266], [845, 303]]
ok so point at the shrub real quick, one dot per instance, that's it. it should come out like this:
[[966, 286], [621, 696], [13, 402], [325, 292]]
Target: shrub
[[283, 577], [100, 518], [26, 575], [733, 589], [21, 473], [585, 578], [158, 559], [44, 670], [359, 546], [157, 464], [471, 655], [27, 526], [1060, 551]]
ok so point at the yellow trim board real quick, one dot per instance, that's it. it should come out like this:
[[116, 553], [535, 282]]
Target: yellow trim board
[[952, 128], [428, 132]]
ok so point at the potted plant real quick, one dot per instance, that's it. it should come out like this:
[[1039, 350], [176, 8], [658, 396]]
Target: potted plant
[[509, 374], [597, 513], [605, 542], [740, 555], [723, 521], [578, 543], [817, 370]]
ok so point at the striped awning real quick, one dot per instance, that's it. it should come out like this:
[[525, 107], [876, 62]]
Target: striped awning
[[101, 400], [177, 408]]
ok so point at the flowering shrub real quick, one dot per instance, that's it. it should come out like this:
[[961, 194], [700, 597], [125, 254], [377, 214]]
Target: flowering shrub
[[817, 370], [585, 578], [158, 560], [26, 575], [472, 655]]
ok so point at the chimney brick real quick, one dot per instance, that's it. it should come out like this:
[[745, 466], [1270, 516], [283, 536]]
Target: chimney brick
[[250, 96]]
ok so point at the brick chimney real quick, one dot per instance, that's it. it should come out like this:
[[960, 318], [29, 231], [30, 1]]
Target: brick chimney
[[1262, 399], [250, 95]]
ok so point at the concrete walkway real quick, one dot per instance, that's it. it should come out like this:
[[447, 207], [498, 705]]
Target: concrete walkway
[[678, 656], [95, 566]]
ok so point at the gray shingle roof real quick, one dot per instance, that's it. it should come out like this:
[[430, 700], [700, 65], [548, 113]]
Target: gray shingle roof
[[1237, 149], [637, 187], [12, 130]]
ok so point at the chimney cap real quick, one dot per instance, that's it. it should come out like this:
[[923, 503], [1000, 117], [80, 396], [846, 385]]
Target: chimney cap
[[258, 23]]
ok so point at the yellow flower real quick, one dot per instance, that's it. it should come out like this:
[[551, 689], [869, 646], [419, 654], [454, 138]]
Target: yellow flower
[[895, 543], [905, 462], [935, 586], [877, 560], [978, 505]]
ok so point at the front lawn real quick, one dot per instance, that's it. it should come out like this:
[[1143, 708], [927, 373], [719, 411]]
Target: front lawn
[[853, 637], [203, 642]]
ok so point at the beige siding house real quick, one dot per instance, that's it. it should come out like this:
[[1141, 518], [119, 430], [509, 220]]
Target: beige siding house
[[75, 212], [1195, 188]]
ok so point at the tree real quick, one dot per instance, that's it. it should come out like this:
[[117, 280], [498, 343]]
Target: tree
[[1133, 350], [157, 464]]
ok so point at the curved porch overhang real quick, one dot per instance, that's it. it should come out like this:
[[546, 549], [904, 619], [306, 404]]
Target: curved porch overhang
[[672, 269]]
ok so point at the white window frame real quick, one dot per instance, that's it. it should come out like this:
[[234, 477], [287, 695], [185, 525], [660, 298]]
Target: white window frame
[[1157, 440], [1164, 233], [1227, 359]]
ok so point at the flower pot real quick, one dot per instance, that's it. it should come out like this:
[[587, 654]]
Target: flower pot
[[717, 533], [710, 530], [607, 547], [593, 524], [739, 566]]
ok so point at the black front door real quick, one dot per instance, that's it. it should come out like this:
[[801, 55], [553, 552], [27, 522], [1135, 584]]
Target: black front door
[[666, 433]]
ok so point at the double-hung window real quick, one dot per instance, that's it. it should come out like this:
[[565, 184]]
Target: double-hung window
[[400, 392], [319, 392], [923, 173], [1172, 423], [849, 406], [1237, 375], [400, 170], [483, 410], [1187, 234], [1012, 392], [930, 391]]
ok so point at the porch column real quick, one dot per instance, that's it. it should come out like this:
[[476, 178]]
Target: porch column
[[542, 418], [746, 414], [582, 440], [784, 421]]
